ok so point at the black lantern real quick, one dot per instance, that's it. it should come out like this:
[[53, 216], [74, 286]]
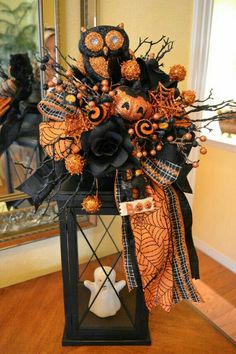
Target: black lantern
[[129, 326]]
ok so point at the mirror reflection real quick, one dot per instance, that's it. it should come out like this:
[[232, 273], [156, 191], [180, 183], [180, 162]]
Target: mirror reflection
[[19, 93], [20, 152]]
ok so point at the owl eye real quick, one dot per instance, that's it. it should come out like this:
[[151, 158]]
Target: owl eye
[[94, 41], [114, 40]]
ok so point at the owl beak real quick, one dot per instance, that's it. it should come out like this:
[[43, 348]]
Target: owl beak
[[105, 51]]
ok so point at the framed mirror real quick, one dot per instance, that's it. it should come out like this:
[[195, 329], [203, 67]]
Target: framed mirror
[[28, 26]]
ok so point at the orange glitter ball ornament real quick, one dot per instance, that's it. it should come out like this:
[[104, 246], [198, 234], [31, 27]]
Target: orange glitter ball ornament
[[188, 97], [74, 164], [177, 73], [76, 124], [130, 70], [91, 204]]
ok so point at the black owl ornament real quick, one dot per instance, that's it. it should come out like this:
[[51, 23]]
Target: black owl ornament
[[102, 49]]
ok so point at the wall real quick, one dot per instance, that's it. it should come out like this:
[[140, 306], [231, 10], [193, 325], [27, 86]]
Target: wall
[[142, 18], [48, 13], [153, 18], [69, 31], [43, 257], [215, 188], [214, 204]]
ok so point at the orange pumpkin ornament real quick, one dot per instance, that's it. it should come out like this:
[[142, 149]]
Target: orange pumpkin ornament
[[130, 105]]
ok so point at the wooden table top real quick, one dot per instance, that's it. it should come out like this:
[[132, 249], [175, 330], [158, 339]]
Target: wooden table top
[[32, 322]]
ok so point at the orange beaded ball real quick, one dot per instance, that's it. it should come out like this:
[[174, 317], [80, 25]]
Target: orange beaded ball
[[79, 95], [188, 97], [91, 204], [131, 131], [69, 73], [91, 104], [170, 138], [130, 70], [195, 164], [139, 154], [105, 82], [105, 88], [144, 153], [157, 116], [153, 152], [203, 150], [51, 84], [83, 88], [155, 126], [59, 88], [203, 138], [95, 88], [187, 136], [74, 164], [177, 73]]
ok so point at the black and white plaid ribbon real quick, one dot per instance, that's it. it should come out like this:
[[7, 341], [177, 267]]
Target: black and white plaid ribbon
[[127, 238]]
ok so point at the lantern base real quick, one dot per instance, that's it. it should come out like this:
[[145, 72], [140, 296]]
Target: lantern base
[[99, 342], [98, 331]]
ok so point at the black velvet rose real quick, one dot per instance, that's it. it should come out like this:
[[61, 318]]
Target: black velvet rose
[[108, 147]]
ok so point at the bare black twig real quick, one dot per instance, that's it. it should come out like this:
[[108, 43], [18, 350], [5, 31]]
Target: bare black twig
[[71, 58], [216, 118], [57, 188], [150, 43], [24, 166], [71, 197], [209, 97], [211, 108], [141, 42], [63, 57], [166, 48]]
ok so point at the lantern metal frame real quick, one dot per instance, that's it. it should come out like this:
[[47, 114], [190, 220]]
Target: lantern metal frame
[[99, 331]]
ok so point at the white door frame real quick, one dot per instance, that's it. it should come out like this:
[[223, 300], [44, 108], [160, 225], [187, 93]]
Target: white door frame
[[200, 43]]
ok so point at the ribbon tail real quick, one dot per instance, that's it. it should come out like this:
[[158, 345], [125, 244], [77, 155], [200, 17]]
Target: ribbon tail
[[184, 288], [129, 260], [154, 252]]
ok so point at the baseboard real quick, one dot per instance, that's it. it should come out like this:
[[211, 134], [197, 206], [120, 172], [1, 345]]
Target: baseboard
[[216, 255]]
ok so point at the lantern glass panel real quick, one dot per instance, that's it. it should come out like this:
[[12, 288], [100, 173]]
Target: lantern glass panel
[[102, 247]]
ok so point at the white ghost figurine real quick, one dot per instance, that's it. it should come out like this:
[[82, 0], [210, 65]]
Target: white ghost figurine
[[107, 302]]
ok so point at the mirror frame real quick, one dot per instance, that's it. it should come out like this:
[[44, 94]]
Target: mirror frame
[[23, 236]]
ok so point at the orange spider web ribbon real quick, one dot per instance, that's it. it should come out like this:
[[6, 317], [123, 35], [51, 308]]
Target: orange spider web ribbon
[[160, 245], [154, 252]]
